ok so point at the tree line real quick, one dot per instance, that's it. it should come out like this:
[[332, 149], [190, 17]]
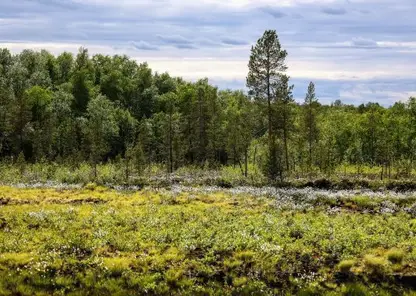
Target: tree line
[[77, 108]]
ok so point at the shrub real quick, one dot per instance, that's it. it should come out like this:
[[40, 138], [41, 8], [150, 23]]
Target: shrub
[[401, 185], [173, 277], [346, 265], [364, 202], [245, 256], [224, 183], [90, 186], [345, 184], [395, 256], [375, 265], [117, 265], [323, 184], [355, 290], [240, 281]]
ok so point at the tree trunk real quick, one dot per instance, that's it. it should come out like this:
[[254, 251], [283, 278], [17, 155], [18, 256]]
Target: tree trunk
[[241, 167], [310, 138], [170, 143], [201, 151], [382, 172], [246, 163], [286, 148], [127, 172], [270, 126]]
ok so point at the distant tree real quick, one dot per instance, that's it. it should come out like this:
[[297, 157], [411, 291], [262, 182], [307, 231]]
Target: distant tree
[[81, 90], [164, 83], [169, 100], [284, 118], [39, 100], [64, 65], [239, 127], [21, 107], [64, 136], [266, 65], [50, 66], [6, 61], [82, 81], [100, 128], [310, 122], [6, 116]]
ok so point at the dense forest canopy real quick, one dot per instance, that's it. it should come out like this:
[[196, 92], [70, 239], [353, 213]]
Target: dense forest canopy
[[77, 108]]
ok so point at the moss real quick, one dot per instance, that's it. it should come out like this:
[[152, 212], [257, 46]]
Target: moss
[[355, 289], [346, 265], [240, 281], [375, 265], [14, 260], [232, 263], [117, 265], [395, 256], [173, 277], [90, 186], [365, 202], [245, 256]]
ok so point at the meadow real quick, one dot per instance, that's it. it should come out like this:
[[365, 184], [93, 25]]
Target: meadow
[[205, 240]]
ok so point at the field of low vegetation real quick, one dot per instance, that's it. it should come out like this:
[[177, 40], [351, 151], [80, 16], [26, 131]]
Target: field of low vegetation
[[205, 240]]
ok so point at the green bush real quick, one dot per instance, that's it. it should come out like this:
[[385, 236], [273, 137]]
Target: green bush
[[375, 265], [395, 256], [346, 265], [355, 289]]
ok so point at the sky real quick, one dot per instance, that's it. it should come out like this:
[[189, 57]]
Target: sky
[[353, 50]]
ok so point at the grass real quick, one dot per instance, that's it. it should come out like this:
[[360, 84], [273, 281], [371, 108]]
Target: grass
[[99, 241], [375, 265], [346, 265], [113, 173], [395, 256]]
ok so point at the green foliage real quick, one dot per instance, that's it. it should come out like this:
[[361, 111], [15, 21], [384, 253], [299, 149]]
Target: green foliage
[[21, 163], [375, 265], [395, 256], [355, 290], [346, 265], [97, 240]]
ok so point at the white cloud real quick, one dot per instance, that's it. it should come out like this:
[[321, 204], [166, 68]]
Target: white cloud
[[363, 94], [231, 65]]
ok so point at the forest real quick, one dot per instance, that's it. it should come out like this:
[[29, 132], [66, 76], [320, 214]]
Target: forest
[[74, 109]]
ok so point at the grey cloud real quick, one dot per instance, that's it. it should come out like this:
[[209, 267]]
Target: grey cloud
[[274, 12], [57, 4], [230, 41], [334, 11], [142, 45], [175, 40], [362, 42], [185, 46]]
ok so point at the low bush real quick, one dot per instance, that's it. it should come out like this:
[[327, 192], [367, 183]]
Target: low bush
[[346, 265], [355, 289], [395, 256], [375, 265]]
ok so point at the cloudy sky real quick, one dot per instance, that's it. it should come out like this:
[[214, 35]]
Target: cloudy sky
[[354, 50]]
